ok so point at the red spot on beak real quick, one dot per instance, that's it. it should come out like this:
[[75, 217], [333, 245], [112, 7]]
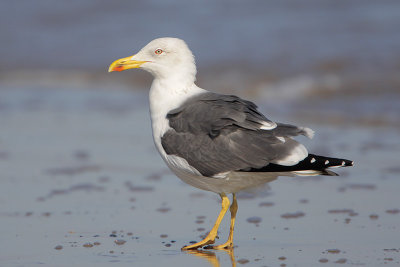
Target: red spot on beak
[[118, 68]]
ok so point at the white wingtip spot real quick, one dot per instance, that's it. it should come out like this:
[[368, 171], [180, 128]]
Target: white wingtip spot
[[312, 160], [326, 162], [308, 132], [268, 125], [343, 163]]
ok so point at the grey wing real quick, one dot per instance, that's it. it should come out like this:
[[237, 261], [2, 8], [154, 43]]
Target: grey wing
[[217, 133], [211, 112]]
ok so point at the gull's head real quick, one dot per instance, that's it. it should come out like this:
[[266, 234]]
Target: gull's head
[[165, 58]]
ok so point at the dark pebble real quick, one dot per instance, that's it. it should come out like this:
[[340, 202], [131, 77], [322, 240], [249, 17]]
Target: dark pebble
[[119, 242], [243, 261], [88, 245], [254, 219]]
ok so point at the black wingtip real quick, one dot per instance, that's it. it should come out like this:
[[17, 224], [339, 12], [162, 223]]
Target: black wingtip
[[317, 163], [347, 163]]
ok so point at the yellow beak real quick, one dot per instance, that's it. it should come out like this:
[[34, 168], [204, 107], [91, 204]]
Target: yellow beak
[[124, 64]]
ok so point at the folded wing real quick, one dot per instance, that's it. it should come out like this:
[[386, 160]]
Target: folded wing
[[219, 133]]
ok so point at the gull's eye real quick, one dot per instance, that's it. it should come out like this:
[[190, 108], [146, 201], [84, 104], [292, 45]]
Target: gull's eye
[[158, 52]]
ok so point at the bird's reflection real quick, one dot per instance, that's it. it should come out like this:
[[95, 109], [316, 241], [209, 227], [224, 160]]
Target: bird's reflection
[[211, 256]]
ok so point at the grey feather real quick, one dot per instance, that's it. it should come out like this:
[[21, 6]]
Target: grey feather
[[211, 112], [219, 133]]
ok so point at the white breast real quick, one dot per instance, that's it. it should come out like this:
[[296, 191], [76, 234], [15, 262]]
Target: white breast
[[165, 96]]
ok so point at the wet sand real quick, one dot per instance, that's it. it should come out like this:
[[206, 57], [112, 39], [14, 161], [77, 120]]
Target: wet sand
[[82, 184]]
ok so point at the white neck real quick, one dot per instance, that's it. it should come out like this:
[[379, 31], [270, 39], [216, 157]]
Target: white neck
[[167, 94]]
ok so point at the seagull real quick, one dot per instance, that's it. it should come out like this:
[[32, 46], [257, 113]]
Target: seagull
[[215, 142]]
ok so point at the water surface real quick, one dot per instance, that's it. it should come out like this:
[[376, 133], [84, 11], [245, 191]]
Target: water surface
[[82, 184]]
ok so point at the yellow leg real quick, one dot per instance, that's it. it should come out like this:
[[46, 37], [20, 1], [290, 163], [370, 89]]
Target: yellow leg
[[210, 238], [229, 244]]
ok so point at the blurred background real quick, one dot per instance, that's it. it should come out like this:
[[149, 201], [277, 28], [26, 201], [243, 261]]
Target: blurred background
[[344, 52], [69, 128]]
